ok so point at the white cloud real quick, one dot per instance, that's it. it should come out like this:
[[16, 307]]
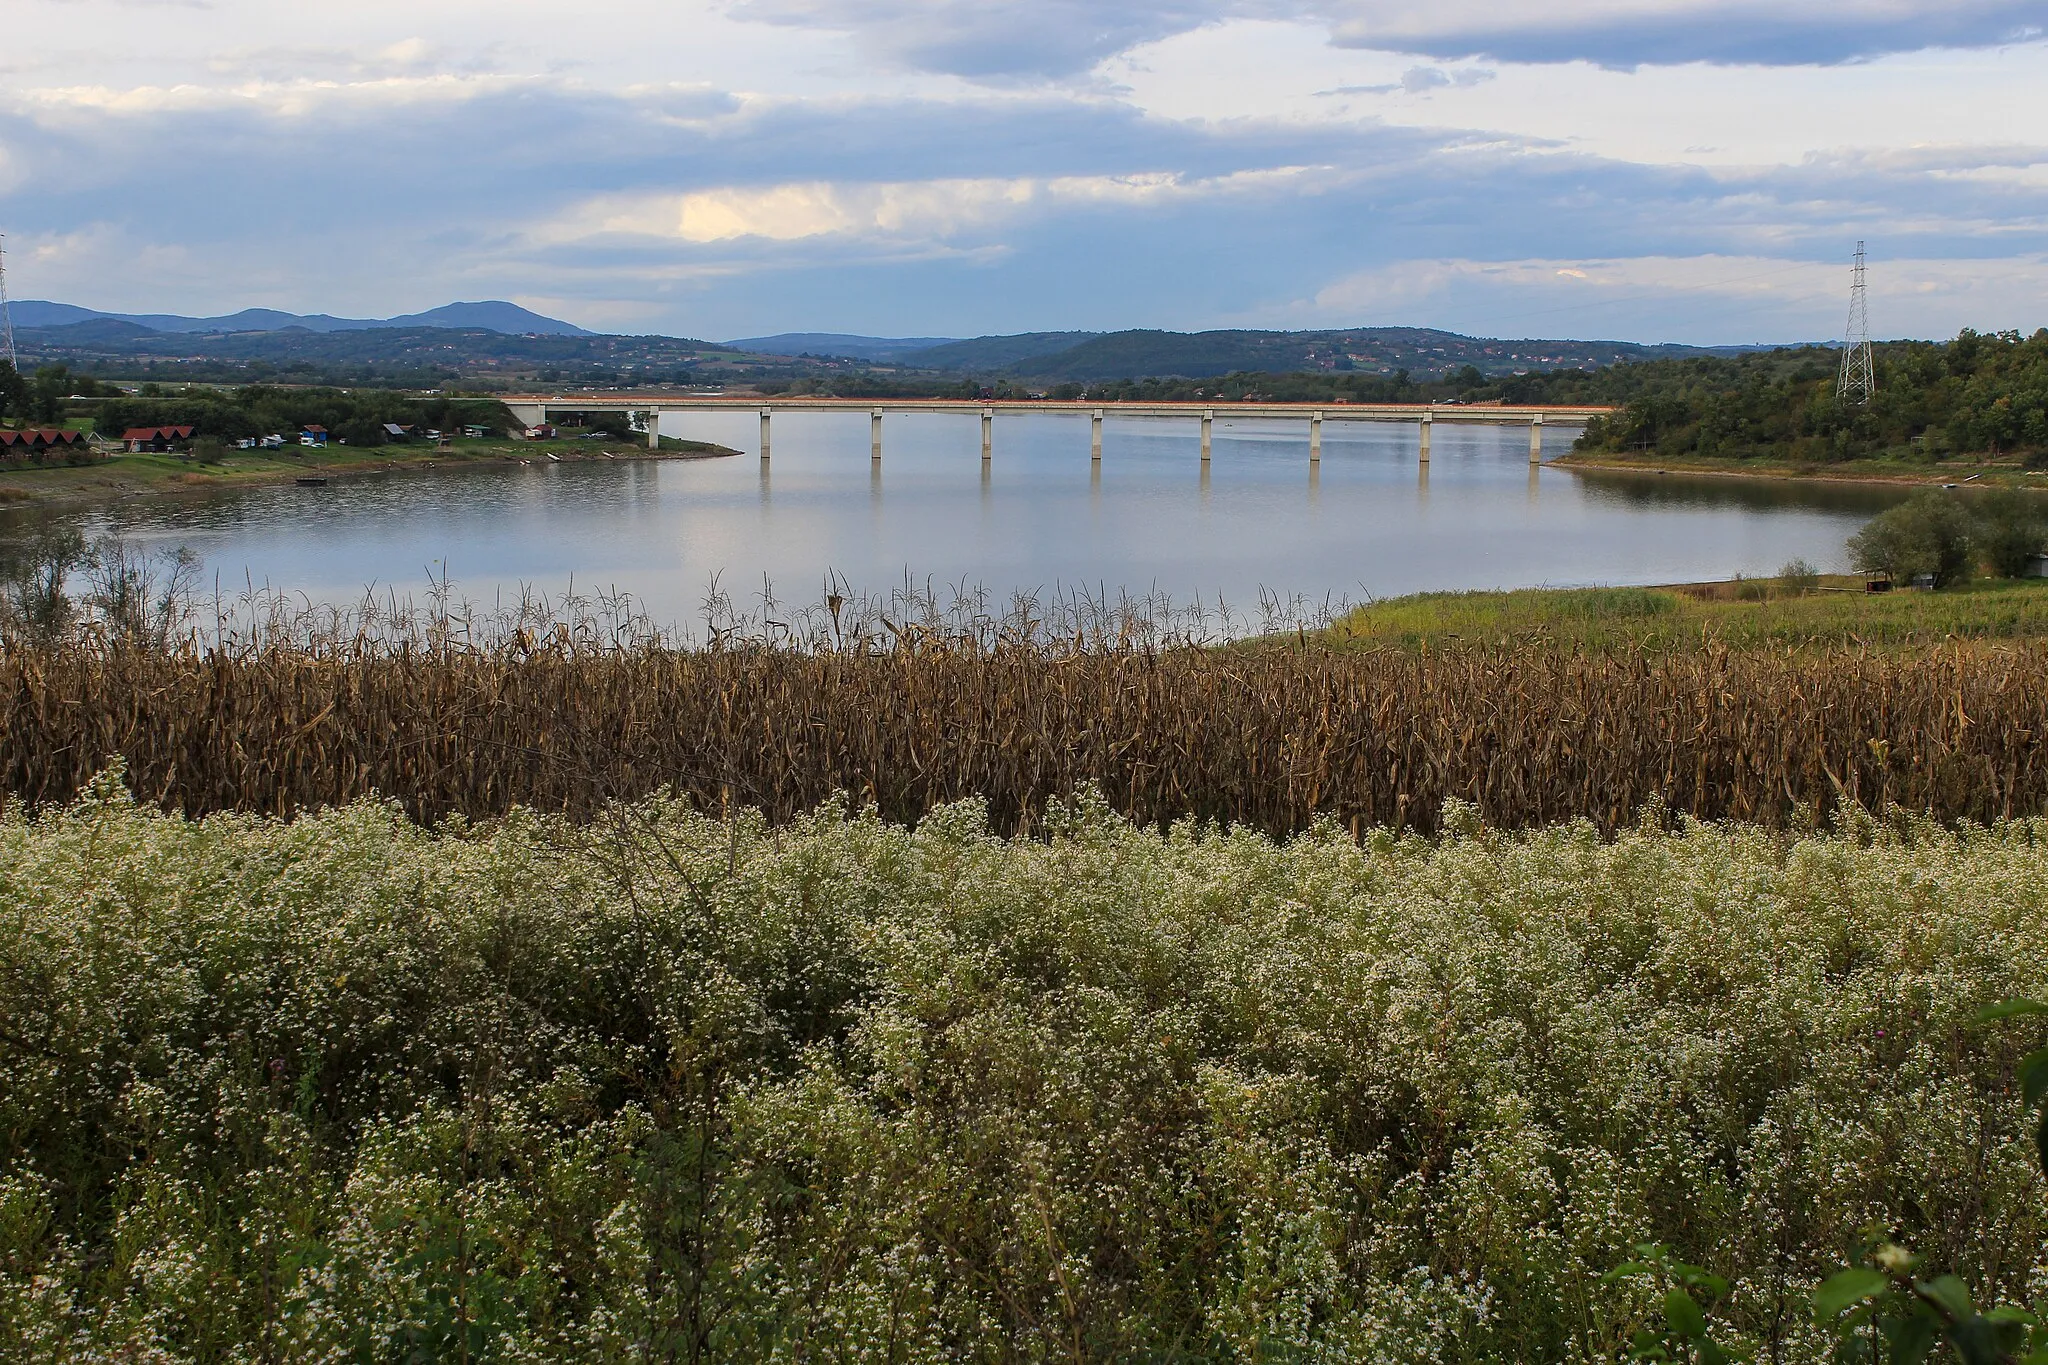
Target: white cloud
[[895, 211], [1697, 113]]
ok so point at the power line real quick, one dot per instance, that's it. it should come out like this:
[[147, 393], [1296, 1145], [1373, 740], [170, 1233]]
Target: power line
[[1859, 376]]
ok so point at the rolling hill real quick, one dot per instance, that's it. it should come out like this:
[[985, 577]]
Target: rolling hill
[[1199, 355], [494, 315]]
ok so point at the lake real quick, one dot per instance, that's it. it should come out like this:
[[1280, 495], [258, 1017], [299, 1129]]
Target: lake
[[1150, 519]]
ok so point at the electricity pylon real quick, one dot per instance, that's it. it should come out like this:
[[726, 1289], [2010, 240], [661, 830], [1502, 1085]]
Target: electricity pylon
[[1859, 376], [6, 318]]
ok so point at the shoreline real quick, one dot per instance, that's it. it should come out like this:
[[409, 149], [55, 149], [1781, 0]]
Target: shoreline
[[1977, 476], [134, 476]]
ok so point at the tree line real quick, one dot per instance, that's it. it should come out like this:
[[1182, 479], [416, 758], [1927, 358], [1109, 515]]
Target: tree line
[[261, 410], [42, 399], [1941, 539], [1976, 395]]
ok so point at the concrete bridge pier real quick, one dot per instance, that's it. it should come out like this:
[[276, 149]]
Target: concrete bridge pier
[[1536, 440], [764, 436], [654, 428], [875, 436], [1315, 438], [1425, 437], [532, 414], [988, 434], [1208, 420], [1095, 437]]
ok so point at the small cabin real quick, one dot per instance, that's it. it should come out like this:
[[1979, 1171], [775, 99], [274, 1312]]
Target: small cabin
[[313, 436], [37, 439], [396, 431], [476, 433], [155, 440]]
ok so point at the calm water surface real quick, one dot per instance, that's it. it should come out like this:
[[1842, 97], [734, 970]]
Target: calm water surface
[[1148, 519]]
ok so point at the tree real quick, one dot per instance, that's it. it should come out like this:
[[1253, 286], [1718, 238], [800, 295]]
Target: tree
[[2011, 531], [35, 579], [13, 392], [46, 394], [1928, 534], [360, 431]]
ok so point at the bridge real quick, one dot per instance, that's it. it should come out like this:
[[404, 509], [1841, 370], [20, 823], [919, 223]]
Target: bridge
[[533, 410]]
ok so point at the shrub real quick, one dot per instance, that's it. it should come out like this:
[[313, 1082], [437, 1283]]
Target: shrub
[[1927, 534], [1798, 577], [671, 1086]]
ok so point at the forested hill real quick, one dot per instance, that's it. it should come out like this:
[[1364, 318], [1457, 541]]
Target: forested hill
[[1976, 395], [1383, 350]]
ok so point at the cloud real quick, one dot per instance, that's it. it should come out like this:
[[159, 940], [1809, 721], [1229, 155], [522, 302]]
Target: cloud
[[395, 177], [897, 212], [1419, 80], [1663, 32], [992, 39], [1054, 39]]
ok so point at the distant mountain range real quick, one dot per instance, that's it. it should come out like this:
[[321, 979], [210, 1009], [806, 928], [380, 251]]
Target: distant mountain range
[[503, 340], [494, 315]]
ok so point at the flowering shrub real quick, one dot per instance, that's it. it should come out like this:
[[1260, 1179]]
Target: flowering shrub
[[665, 1086]]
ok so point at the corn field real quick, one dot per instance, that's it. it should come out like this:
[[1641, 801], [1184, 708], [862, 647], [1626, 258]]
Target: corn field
[[1268, 737]]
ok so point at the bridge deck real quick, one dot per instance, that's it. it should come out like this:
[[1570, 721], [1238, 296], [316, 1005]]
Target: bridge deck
[[1357, 412]]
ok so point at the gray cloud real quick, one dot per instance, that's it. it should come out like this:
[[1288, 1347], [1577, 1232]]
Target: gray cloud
[[1741, 32], [1050, 39], [994, 39]]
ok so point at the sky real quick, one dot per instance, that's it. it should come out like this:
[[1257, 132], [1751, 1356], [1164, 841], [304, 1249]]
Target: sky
[[1650, 170]]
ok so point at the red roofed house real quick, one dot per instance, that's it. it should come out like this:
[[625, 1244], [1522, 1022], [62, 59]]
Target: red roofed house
[[40, 438], [154, 439]]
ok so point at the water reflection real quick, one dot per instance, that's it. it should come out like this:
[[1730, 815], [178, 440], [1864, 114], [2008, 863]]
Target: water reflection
[[1649, 490]]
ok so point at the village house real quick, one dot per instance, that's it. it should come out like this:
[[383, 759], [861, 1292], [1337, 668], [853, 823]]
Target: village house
[[38, 439], [155, 440]]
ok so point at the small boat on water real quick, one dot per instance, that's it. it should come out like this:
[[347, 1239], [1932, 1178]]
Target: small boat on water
[[311, 481], [554, 457]]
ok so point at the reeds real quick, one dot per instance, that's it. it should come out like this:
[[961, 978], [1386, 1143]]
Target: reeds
[[564, 718]]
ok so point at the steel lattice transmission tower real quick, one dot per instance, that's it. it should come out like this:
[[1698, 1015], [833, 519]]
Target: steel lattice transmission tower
[[1859, 376], [6, 317]]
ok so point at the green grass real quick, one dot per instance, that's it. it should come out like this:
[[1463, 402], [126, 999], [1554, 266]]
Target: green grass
[[1615, 618], [128, 474]]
